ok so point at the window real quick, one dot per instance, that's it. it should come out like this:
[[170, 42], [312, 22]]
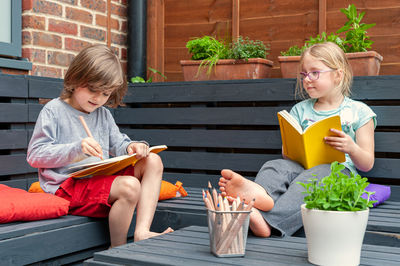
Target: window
[[10, 30]]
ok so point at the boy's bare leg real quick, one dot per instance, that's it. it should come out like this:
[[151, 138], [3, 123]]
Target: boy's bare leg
[[232, 184], [149, 171], [124, 195]]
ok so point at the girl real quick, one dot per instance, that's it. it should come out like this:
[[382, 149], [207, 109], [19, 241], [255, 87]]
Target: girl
[[326, 78], [95, 78]]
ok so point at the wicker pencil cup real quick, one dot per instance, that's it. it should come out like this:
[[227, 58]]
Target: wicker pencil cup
[[228, 232]]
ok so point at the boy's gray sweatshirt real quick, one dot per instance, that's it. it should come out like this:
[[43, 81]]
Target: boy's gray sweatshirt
[[56, 141]]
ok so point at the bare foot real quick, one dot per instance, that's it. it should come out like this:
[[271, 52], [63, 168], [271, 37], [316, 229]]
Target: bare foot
[[232, 184], [258, 225], [145, 235]]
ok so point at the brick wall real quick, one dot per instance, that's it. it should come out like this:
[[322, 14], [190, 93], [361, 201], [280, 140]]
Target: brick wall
[[53, 32]]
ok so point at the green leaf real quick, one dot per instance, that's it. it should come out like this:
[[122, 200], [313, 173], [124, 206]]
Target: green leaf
[[137, 79]]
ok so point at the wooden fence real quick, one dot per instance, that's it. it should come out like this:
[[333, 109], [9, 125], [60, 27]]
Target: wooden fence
[[283, 23]]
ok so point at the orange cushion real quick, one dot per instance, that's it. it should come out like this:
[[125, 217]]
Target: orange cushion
[[35, 188], [19, 205], [167, 190]]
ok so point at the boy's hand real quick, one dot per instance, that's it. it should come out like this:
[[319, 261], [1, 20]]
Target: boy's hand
[[91, 147], [141, 149], [342, 142]]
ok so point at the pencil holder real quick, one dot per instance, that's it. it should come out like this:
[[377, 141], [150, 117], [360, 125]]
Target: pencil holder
[[228, 232]]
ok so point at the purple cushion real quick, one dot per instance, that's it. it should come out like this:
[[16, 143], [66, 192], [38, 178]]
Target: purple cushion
[[382, 193]]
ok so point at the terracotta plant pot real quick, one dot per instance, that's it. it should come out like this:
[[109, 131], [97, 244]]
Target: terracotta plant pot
[[227, 69], [365, 63], [289, 65], [362, 63]]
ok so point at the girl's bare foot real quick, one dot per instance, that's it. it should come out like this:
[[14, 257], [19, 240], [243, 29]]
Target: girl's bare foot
[[232, 184], [145, 235], [258, 225]]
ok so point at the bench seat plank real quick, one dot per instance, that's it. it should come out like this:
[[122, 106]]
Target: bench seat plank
[[192, 244], [17, 229], [53, 243]]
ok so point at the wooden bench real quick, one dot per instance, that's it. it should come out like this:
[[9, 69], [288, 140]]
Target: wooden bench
[[191, 246], [207, 126]]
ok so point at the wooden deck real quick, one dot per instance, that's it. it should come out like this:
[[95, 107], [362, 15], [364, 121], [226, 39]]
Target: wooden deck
[[190, 246]]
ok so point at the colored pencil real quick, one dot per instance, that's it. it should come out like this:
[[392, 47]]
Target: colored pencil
[[83, 122]]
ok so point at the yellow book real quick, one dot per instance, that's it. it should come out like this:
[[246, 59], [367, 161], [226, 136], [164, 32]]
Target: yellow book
[[110, 166], [308, 147]]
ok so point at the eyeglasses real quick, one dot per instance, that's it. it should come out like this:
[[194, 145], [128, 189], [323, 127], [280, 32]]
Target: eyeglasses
[[313, 75]]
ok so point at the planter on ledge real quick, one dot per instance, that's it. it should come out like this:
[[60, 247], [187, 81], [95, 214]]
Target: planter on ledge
[[362, 64], [227, 69]]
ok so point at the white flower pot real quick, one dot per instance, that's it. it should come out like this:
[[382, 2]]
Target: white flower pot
[[334, 237]]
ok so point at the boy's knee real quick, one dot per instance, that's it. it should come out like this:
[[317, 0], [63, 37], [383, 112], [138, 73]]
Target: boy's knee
[[129, 188], [155, 160]]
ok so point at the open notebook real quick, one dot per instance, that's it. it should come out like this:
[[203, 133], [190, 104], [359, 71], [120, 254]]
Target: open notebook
[[110, 166]]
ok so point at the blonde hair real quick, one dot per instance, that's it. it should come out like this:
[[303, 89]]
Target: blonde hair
[[333, 57], [98, 68]]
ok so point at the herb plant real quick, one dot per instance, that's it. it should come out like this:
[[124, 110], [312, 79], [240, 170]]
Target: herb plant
[[337, 192], [139, 79], [356, 32], [355, 40], [325, 38], [293, 51], [210, 50], [246, 48]]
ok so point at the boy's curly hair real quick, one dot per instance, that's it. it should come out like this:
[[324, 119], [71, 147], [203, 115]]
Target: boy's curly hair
[[98, 68]]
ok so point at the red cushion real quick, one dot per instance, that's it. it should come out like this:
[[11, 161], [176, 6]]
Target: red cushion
[[19, 205]]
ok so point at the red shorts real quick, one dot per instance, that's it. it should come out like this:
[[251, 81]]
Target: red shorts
[[89, 196]]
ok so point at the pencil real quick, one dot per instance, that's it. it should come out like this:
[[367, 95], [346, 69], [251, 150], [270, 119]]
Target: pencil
[[207, 201], [87, 130], [207, 193], [234, 227], [215, 196]]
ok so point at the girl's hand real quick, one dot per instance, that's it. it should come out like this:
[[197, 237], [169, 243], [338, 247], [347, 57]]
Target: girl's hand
[[141, 149], [91, 147], [341, 142]]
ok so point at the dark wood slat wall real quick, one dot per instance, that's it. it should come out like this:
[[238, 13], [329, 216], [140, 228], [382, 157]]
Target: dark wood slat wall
[[280, 23], [260, 139], [18, 83], [18, 111]]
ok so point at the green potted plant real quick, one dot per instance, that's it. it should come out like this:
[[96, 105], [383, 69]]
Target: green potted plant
[[355, 44], [214, 60], [335, 217]]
